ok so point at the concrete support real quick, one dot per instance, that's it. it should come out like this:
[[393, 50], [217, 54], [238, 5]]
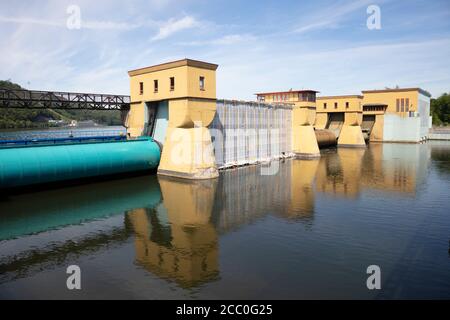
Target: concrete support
[[188, 150], [135, 121], [188, 153], [304, 141], [377, 130], [351, 133]]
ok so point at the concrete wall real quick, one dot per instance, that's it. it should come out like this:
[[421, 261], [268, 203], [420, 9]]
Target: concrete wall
[[401, 129], [424, 114]]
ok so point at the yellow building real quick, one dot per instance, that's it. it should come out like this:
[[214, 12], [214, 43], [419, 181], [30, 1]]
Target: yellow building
[[401, 114], [304, 141], [175, 102], [343, 116], [298, 98], [397, 115]]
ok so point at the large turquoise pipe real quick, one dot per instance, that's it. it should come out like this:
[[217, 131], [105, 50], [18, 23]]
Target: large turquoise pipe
[[32, 165]]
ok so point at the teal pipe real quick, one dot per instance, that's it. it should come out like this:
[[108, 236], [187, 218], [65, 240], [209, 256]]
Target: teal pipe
[[32, 165]]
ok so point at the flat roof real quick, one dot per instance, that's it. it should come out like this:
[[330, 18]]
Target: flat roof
[[174, 64], [424, 92], [290, 91], [341, 96]]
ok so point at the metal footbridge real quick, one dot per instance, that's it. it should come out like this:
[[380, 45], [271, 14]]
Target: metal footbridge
[[34, 99]]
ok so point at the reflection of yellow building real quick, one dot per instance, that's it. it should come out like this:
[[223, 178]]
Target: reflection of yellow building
[[304, 141], [176, 240], [395, 176], [303, 173], [339, 173], [348, 171]]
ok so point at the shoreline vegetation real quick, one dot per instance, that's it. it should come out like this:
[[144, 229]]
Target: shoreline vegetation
[[11, 118]]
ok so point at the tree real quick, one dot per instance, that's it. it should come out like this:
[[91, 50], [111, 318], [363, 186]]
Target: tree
[[440, 110]]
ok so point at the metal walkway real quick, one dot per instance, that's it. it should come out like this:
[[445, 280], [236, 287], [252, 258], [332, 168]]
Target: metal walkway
[[30, 99]]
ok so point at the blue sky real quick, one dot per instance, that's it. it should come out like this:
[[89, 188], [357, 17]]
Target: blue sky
[[259, 45]]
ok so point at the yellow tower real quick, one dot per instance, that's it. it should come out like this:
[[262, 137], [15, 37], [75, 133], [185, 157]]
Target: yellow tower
[[304, 141], [175, 102], [342, 115]]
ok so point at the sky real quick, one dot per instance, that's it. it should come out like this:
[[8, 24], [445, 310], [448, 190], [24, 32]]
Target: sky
[[258, 45]]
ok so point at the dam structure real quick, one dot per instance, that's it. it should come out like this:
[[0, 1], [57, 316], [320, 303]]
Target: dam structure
[[176, 126]]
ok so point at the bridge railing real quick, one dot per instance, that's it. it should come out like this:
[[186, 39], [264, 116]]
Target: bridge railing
[[31, 99]]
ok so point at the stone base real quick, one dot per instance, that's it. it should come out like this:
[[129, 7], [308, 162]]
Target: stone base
[[305, 142], [199, 175], [307, 156], [351, 136], [188, 153]]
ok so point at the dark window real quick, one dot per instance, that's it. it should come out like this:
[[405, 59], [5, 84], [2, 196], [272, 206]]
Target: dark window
[[202, 83], [403, 105], [325, 105], [155, 85], [398, 105], [407, 104], [141, 88], [335, 105], [172, 83], [346, 105]]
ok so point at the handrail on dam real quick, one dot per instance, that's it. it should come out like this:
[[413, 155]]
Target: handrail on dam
[[32, 99]]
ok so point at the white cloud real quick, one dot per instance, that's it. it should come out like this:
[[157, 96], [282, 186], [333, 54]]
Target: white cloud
[[173, 26], [95, 25], [331, 16], [230, 39]]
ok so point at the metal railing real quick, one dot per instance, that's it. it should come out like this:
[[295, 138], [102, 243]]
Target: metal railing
[[29, 99]]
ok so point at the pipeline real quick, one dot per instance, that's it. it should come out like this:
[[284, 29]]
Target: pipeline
[[36, 164], [325, 138]]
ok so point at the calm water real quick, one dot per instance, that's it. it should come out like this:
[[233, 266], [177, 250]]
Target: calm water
[[308, 232]]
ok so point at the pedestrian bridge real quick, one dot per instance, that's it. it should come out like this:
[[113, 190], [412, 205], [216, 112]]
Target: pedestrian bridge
[[34, 99]]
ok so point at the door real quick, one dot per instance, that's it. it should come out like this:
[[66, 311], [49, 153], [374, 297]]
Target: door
[[161, 121]]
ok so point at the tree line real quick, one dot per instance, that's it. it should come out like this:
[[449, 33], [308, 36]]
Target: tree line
[[440, 110]]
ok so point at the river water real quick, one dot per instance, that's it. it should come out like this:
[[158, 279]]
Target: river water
[[309, 231]]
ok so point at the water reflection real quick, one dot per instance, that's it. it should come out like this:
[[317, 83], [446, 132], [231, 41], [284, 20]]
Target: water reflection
[[175, 226], [176, 239]]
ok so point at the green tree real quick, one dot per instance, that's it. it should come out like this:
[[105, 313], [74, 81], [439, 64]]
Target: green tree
[[440, 110]]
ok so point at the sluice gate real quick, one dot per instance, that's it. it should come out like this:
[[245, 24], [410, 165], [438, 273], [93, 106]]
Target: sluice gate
[[250, 132]]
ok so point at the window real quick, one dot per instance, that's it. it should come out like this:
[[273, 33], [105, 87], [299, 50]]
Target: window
[[324, 105], [398, 105], [202, 83], [407, 104], [155, 86], [172, 83], [346, 105], [261, 98], [403, 105], [335, 105], [141, 88]]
